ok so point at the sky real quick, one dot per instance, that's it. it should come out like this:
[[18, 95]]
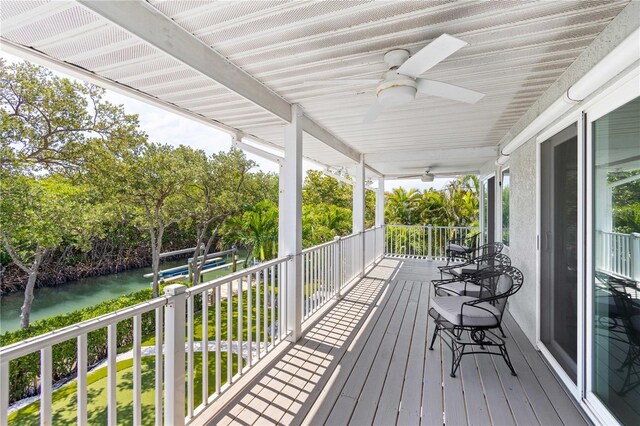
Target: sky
[[170, 128]]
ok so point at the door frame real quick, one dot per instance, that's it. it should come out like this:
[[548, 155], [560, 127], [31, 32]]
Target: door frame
[[626, 90], [573, 118], [483, 180]]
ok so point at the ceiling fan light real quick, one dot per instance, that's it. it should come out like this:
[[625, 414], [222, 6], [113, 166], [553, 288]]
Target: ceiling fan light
[[427, 177], [396, 95]]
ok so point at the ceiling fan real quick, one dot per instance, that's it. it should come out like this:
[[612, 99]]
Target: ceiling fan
[[428, 175], [400, 84]]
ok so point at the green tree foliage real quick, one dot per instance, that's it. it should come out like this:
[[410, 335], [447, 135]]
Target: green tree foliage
[[51, 123], [217, 193], [50, 126], [626, 201], [38, 214], [256, 229], [457, 204]]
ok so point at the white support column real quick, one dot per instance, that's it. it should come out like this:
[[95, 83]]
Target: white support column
[[358, 210], [380, 215], [174, 386], [380, 202], [291, 222], [281, 219]]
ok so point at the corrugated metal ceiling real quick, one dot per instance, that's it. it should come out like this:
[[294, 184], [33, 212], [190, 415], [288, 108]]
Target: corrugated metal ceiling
[[516, 50]]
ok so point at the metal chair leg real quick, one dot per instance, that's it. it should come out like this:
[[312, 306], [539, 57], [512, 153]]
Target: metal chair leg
[[435, 335], [505, 356], [501, 330]]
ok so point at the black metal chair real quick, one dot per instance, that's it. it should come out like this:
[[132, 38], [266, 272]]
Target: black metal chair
[[461, 248], [624, 326], [470, 321], [467, 280], [482, 256]]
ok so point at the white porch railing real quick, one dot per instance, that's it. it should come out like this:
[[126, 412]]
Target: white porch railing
[[619, 254], [424, 242], [224, 326], [326, 268]]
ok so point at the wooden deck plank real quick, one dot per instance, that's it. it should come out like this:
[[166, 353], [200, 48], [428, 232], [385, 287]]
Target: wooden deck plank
[[516, 397], [565, 408], [411, 397], [389, 402], [375, 350], [474, 399], [432, 404], [290, 403], [542, 406], [499, 410], [366, 360], [330, 394], [454, 411]]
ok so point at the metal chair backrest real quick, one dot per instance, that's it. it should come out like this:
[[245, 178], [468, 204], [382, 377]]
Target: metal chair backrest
[[489, 249], [499, 283]]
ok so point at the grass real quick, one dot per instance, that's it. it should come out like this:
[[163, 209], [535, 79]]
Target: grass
[[65, 403], [211, 331]]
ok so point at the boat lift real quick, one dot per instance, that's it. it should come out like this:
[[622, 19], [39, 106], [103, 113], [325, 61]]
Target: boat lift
[[212, 262]]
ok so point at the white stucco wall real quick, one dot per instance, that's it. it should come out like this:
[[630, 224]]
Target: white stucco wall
[[522, 250]]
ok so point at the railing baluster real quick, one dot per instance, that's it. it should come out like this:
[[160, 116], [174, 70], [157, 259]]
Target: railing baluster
[[229, 332], [218, 354], [265, 310], [82, 380], [190, 375], [159, 366], [250, 320], [272, 283], [46, 387], [258, 312], [4, 392], [240, 325], [112, 408], [137, 370], [205, 346]]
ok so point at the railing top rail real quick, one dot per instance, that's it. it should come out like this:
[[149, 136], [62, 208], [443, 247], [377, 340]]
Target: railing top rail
[[319, 246], [32, 344], [621, 234], [197, 289], [397, 225]]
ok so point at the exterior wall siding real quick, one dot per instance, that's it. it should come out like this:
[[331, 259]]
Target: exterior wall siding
[[522, 249]]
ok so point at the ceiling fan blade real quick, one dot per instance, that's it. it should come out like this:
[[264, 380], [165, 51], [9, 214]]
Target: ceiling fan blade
[[448, 91], [430, 55], [374, 111], [407, 177], [344, 82]]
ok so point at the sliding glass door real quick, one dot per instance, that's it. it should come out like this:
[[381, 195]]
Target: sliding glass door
[[615, 319], [558, 248]]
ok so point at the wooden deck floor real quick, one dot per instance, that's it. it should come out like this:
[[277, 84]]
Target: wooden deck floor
[[366, 361]]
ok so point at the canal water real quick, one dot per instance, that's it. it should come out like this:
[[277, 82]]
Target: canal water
[[51, 301]]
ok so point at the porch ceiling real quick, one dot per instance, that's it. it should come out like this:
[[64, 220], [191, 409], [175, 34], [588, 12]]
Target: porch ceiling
[[516, 51]]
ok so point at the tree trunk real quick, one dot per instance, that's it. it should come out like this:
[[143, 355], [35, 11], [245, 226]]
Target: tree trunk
[[156, 249], [25, 311]]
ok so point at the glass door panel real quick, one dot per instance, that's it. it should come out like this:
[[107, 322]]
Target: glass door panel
[[615, 377], [558, 248]]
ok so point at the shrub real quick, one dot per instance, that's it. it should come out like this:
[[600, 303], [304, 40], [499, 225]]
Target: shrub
[[24, 372]]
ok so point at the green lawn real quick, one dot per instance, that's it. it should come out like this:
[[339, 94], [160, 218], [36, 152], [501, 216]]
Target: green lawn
[[64, 399], [211, 331]]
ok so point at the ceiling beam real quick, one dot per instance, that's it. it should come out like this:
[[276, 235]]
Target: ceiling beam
[[323, 135], [433, 155], [150, 25]]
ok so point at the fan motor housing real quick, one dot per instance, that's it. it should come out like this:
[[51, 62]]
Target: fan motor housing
[[396, 90]]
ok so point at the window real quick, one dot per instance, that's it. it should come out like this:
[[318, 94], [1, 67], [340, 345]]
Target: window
[[505, 207], [616, 239]]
